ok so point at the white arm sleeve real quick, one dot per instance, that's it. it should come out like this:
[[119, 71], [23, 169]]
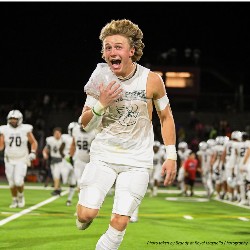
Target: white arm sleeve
[[90, 101], [95, 120], [161, 103], [94, 123]]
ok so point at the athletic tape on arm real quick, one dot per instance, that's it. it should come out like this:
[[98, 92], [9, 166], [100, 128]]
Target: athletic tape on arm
[[95, 120], [161, 103]]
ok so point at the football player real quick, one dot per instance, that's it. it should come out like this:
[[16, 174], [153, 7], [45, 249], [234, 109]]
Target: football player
[[229, 161], [80, 150], [183, 153], [68, 175], [219, 175], [15, 138], [53, 149], [205, 162]]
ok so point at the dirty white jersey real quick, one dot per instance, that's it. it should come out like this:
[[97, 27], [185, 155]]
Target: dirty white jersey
[[16, 143], [126, 132]]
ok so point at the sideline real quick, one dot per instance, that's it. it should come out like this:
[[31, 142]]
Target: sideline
[[27, 210]]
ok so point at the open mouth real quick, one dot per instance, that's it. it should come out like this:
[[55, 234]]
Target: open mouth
[[116, 62]]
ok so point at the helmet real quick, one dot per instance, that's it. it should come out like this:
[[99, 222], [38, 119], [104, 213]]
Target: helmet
[[71, 126], [157, 144], [203, 145], [236, 135], [182, 145], [231, 182], [17, 115], [221, 140], [244, 136], [211, 143]]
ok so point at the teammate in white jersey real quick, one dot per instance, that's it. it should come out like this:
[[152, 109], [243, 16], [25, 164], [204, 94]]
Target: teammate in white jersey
[[206, 168], [156, 176], [219, 174], [14, 139], [183, 153], [229, 161], [241, 149], [68, 175], [245, 169], [53, 151], [79, 150], [120, 98]]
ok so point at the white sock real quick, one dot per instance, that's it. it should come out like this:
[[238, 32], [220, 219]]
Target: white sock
[[111, 240], [242, 192], [71, 193], [20, 195]]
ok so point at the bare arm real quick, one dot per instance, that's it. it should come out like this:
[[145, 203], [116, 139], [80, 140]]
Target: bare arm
[[2, 145], [33, 142], [246, 156], [72, 147], [157, 90]]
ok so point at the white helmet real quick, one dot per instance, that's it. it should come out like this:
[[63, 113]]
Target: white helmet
[[221, 140], [182, 145], [71, 126], [156, 144], [211, 143], [17, 115], [236, 135], [231, 181], [203, 145]]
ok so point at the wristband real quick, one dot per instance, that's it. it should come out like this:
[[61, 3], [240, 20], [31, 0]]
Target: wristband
[[98, 109], [171, 152]]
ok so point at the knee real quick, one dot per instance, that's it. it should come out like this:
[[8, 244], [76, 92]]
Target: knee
[[119, 222], [85, 214], [19, 183]]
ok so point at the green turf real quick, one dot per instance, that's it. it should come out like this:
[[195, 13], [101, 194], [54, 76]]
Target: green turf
[[161, 225]]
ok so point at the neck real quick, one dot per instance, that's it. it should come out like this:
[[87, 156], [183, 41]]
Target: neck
[[130, 75]]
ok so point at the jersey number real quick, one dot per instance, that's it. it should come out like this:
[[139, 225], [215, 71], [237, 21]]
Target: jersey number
[[16, 140], [82, 145]]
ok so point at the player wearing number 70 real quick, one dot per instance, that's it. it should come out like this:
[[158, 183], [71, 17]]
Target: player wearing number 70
[[14, 139]]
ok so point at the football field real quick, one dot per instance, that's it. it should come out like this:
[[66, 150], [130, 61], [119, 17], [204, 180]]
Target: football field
[[168, 221]]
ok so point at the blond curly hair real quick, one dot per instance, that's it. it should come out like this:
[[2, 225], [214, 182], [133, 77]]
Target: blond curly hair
[[127, 29]]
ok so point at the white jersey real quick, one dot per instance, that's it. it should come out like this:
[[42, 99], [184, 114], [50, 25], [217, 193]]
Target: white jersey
[[126, 133], [218, 151], [16, 143], [54, 145], [83, 141], [183, 155], [67, 139], [230, 148], [205, 157], [241, 150], [158, 156]]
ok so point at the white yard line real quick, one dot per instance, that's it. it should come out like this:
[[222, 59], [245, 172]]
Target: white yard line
[[243, 218], [33, 187], [188, 217], [28, 210], [232, 203]]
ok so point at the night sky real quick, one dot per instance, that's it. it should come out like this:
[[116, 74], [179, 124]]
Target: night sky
[[56, 44]]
